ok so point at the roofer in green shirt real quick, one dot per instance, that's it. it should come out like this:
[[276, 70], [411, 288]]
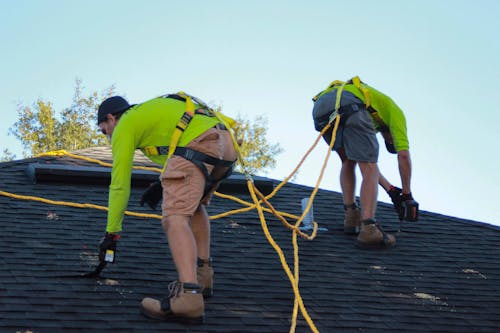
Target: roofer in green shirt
[[203, 155], [364, 111]]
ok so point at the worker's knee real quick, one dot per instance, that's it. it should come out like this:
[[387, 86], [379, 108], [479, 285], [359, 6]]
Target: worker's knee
[[173, 221], [369, 169], [348, 164]]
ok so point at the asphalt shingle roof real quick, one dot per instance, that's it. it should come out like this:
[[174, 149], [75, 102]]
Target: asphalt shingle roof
[[442, 276]]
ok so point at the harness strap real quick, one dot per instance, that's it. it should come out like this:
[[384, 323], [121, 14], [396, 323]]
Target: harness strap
[[196, 156], [184, 120], [163, 150], [225, 121], [347, 110], [199, 159], [356, 81], [182, 96]]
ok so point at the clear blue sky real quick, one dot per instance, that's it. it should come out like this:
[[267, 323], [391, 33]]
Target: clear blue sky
[[437, 59]]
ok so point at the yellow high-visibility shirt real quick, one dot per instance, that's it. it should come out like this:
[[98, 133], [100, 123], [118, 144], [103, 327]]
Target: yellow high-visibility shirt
[[148, 124]]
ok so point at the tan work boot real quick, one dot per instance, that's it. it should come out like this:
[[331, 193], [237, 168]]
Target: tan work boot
[[184, 304], [205, 275], [351, 219], [372, 236]]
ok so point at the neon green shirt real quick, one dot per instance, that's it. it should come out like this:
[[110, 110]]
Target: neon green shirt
[[148, 124], [390, 113]]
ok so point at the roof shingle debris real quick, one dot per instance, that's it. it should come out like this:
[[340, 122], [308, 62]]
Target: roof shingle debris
[[442, 276]]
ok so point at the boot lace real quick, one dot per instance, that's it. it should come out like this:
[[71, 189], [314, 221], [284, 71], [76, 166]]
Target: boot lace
[[174, 288]]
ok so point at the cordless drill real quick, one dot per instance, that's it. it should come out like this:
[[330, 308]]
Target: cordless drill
[[404, 204]]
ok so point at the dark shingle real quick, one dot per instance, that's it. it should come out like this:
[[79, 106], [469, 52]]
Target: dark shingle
[[442, 276]]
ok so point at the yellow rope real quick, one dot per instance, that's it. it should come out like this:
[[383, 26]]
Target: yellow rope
[[58, 153], [279, 186], [293, 278], [254, 192], [257, 204], [72, 204]]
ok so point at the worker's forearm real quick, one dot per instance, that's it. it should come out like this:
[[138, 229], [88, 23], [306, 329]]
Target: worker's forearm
[[404, 162], [384, 182]]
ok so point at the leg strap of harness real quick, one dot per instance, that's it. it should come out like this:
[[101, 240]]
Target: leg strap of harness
[[192, 155], [198, 159]]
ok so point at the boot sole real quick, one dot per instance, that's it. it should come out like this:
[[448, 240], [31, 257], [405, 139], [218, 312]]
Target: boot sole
[[175, 318]]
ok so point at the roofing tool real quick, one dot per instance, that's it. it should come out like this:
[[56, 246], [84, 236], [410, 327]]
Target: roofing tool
[[409, 207], [107, 254], [410, 210], [107, 247], [95, 274], [107, 251]]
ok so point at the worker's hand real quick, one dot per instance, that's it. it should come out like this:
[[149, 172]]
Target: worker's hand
[[410, 207], [395, 194], [107, 247], [152, 195]]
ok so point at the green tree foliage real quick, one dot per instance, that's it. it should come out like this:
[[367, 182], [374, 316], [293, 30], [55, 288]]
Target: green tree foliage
[[258, 154], [7, 156], [40, 129]]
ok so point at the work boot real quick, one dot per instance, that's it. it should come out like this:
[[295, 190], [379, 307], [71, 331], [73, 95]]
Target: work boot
[[372, 236], [351, 219], [205, 275], [184, 304]]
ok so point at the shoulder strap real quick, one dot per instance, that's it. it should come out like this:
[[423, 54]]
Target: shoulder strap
[[356, 81], [330, 86], [181, 126], [374, 113], [188, 116]]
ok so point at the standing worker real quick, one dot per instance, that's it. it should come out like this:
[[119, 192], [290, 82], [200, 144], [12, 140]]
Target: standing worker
[[363, 111], [183, 131]]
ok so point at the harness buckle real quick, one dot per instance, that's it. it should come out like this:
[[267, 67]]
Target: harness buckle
[[151, 151], [333, 116], [184, 121]]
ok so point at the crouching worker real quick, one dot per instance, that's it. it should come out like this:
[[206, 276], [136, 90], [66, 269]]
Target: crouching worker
[[183, 134], [364, 111]]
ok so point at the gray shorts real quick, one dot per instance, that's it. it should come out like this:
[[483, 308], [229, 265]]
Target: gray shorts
[[357, 136]]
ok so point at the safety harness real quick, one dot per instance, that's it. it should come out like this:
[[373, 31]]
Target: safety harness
[[197, 158], [349, 109]]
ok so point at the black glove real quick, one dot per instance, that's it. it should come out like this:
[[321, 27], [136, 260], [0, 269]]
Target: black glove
[[395, 194], [152, 195], [410, 207], [107, 247]]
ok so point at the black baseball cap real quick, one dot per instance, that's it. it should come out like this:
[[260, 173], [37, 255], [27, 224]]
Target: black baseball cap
[[112, 105]]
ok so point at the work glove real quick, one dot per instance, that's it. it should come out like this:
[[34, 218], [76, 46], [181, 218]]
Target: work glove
[[396, 197], [410, 207], [152, 195], [107, 247]]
